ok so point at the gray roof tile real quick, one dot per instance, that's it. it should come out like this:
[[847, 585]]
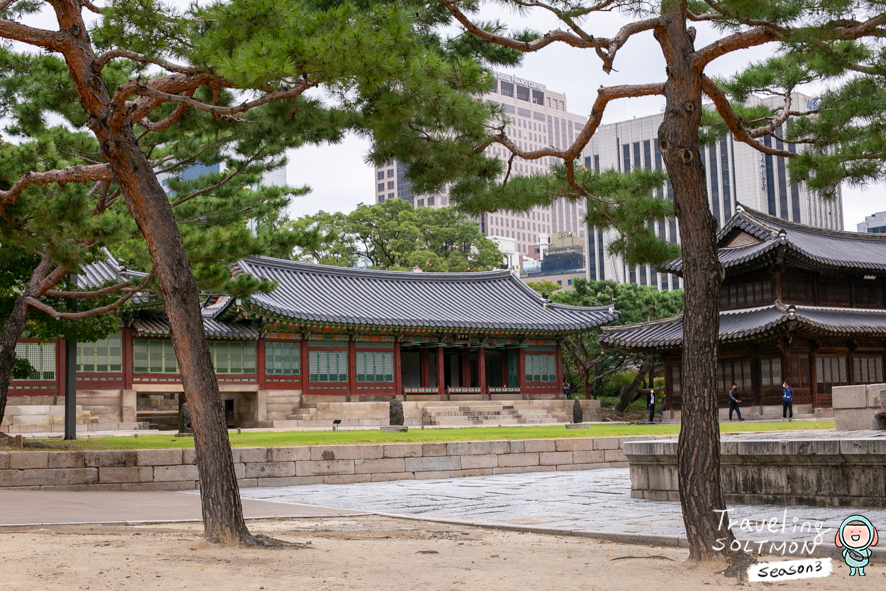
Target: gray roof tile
[[739, 325], [805, 245], [492, 300]]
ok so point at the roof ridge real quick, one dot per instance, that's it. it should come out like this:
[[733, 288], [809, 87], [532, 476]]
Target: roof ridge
[[374, 273], [815, 230]]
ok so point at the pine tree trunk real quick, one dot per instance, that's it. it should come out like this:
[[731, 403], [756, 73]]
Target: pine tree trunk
[[150, 207], [698, 449], [12, 330]]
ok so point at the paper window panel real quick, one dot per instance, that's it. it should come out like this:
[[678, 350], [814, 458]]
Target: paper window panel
[[169, 362], [389, 367], [140, 356], [48, 360], [115, 352]]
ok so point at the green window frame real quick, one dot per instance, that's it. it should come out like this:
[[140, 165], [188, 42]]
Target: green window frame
[[105, 355], [375, 366], [282, 359], [40, 356], [540, 368], [158, 356], [328, 366]]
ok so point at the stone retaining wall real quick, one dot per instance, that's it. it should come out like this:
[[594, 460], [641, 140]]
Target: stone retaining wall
[[845, 472], [854, 406], [175, 469]]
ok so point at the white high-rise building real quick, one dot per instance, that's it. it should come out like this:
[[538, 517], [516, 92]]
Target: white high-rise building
[[538, 118], [737, 173], [874, 224]]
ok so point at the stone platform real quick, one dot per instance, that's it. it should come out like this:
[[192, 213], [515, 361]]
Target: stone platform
[[814, 468]]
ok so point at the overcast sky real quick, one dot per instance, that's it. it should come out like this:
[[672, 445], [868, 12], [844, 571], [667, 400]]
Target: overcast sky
[[340, 178]]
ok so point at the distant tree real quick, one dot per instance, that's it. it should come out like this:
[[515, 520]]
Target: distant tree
[[635, 303], [395, 235], [544, 286]]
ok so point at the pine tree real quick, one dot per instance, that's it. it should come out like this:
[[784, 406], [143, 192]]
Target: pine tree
[[822, 27], [147, 67]]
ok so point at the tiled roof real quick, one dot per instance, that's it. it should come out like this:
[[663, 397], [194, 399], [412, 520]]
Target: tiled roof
[[491, 300], [158, 326], [804, 245], [739, 325]]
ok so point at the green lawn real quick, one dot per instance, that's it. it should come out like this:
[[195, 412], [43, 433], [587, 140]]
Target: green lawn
[[415, 435]]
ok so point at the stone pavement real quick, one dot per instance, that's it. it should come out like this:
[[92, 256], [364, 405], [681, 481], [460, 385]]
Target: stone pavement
[[40, 507], [593, 503]]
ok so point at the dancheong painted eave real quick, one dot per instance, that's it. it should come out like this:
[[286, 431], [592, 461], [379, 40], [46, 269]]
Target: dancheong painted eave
[[751, 239], [482, 301], [750, 324]]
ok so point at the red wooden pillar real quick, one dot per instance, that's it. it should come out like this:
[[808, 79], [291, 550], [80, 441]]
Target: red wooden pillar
[[466, 367], [398, 378], [441, 379], [260, 363], [481, 369], [60, 367], [559, 368], [126, 350], [521, 371], [425, 369], [352, 368], [304, 366]]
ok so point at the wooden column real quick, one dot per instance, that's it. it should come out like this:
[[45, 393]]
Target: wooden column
[[260, 363], [777, 285], [481, 370], [352, 369], [304, 366], [126, 352], [425, 369], [813, 378], [398, 378], [521, 372], [560, 369], [441, 379]]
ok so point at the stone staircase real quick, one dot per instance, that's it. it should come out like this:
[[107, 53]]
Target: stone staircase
[[486, 413]]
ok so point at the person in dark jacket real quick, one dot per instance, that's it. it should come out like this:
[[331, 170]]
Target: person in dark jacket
[[787, 401], [733, 402], [650, 404], [566, 389]]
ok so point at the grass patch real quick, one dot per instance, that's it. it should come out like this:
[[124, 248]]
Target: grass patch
[[294, 438]]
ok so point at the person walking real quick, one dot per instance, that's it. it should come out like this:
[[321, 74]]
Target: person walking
[[650, 404], [566, 389], [787, 401], [733, 402]]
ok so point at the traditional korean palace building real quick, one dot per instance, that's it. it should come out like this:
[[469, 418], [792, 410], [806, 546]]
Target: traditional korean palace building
[[329, 334], [798, 303]]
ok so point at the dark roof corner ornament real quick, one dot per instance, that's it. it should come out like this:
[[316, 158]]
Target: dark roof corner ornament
[[739, 208], [792, 310]]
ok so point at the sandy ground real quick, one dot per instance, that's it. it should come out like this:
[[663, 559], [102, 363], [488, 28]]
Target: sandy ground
[[364, 552]]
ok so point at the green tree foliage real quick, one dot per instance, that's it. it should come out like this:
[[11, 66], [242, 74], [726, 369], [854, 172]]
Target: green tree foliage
[[586, 363], [544, 286], [394, 235]]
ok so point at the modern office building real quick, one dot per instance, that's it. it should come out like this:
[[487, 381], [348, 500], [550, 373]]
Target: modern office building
[[538, 118], [737, 173], [874, 224]]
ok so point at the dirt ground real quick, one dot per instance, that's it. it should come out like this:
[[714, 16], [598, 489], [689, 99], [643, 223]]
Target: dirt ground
[[364, 552]]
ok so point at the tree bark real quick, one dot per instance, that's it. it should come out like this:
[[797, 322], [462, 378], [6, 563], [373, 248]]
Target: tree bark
[[12, 330], [626, 396], [133, 173], [698, 448]]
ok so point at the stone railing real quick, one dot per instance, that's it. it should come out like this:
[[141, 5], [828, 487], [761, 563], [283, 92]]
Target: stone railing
[[823, 471], [175, 469], [857, 407]]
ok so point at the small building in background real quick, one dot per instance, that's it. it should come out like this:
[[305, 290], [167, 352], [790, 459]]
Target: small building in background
[[874, 224]]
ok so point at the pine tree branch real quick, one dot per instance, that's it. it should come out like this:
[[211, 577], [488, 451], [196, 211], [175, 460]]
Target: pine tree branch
[[91, 7], [113, 54], [220, 183], [86, 295], [276, 95], [776, 122], [72, 174], [743, 40], [37, 304], [169, 120], [4, 4], [733, 122], [607, 48], [13, 31]]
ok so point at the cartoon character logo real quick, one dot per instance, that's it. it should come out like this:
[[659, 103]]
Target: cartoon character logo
[[856, 535]]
